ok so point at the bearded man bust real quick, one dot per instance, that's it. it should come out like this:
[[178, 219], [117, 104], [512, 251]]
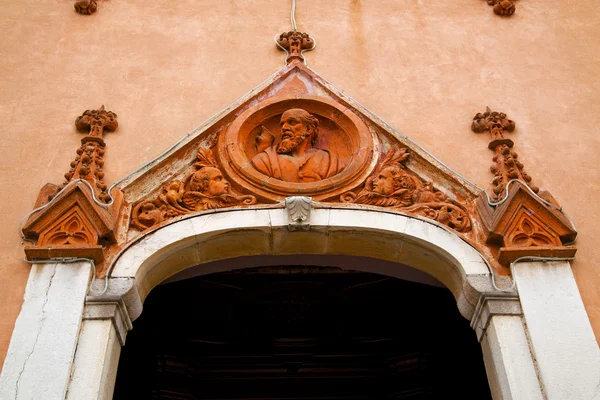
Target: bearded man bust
[[294, 159]]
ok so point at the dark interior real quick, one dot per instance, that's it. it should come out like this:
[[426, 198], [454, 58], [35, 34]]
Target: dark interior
[[300, 333]]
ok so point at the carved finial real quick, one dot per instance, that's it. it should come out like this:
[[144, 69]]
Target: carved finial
[[496, 123], [503, 7], [86, 7], [89, 161], [295, 43], [506, 166], [96, 121]]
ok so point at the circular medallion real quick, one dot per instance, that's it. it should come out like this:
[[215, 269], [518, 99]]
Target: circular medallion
[[305, 146]]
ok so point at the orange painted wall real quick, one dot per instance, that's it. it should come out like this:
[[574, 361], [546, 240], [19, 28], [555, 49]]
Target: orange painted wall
[[425, 67]]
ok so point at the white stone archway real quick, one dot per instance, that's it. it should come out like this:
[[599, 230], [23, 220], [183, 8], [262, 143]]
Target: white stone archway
[[75, 339]]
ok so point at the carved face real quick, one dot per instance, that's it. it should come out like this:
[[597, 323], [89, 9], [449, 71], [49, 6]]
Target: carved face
[[390, 180], [384, 182], [210, 182], [293, 130], [263, 140]]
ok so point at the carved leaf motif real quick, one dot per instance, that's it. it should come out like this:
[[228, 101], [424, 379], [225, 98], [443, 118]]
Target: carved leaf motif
[[205, 158], [298, 208], [395, 157]]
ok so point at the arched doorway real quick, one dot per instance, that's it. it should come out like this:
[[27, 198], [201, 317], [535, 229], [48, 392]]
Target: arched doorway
[[299, 332], [93, 323]]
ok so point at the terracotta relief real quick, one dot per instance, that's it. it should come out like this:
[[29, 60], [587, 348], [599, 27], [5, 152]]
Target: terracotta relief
[[72, 225], [204, 189], [393, 185], [502, 7], [295, 43], [506, 164], [71, 229], [293, 158], [300, 146], [89, 161], [521, 223], [528, 231], [86, 7]]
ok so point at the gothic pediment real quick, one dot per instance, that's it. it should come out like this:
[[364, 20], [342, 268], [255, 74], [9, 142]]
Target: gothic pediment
[[297, 135], [524, 225], [72, 225]]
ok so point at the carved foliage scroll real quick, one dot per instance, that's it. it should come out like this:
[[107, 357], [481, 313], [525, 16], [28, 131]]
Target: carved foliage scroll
[[203, 189], [392, 185]]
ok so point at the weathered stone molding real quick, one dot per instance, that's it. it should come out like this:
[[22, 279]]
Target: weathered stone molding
[[223, 234], [115, 311], [490, 305], [121, 294]]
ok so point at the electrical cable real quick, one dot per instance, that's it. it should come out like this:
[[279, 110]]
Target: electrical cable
[[528, 258], [293, 16]]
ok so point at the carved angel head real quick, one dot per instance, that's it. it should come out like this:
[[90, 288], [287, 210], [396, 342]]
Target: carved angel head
[[209, 181], [391, 180]]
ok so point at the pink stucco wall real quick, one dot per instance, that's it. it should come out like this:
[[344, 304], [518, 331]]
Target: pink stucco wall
[[424, 67]]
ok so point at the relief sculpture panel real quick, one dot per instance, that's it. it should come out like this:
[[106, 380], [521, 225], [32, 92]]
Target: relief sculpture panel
[[294, 158], [301, 146], [393, 185], [203, 189]]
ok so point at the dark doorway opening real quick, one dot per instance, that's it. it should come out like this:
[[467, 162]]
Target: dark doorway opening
[[300, 333]]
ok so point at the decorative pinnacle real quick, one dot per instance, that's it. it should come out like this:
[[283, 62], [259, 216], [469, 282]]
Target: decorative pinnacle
[[506, 165], [89, 162], [295, 43], [96, 121]]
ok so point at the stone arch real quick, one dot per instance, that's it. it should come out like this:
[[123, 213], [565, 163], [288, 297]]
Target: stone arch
[[226, 234]]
